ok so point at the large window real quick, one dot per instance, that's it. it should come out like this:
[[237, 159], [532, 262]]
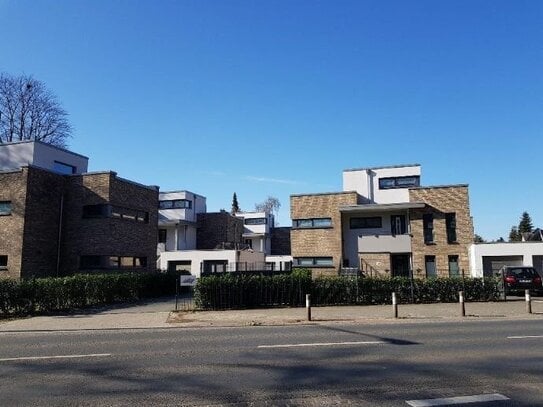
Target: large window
[[314, 261], [398, 225], [450, 220], [255, 221], [374, 222], [313, 223], [111, 262], [162, 235], [175, 204], [399, 182], [63, 168], [113, 211], [430, 263], [3, 262], [5, 208], [428, 227], [454, 270]]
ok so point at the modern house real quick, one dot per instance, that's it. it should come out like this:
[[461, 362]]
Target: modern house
[[383, 223], [257, 227], [57, 219]]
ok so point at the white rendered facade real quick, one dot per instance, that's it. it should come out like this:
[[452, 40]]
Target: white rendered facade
[[487, 258], [257, 230], [177, 217], [39, 154]]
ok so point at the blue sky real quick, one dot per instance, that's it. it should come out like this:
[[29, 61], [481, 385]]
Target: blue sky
[[278, 97]]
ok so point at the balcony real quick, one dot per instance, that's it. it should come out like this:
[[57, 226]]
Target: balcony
[[384, 243]]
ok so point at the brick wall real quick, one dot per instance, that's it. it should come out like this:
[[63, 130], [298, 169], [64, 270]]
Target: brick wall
[[441, 200], [320, 242], [13, 188], [108, 236], [218, 230], [41, 229], [375, 264]]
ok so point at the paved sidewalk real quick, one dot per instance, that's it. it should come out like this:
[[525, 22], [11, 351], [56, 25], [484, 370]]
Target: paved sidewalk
[[156, 314]]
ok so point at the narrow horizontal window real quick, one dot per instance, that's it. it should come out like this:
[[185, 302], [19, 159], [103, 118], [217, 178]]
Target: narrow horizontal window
[[175, 204], [63, 168], [399, 182], [255, 221], [374, 222], [314, 261], [313, 223]]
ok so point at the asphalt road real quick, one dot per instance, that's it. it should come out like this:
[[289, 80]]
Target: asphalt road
[[363, 365]]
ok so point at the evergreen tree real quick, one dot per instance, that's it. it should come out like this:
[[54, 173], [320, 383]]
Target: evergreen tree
[[525, 225], [478, 239], [235, 205], [514, 235], [500, 240]]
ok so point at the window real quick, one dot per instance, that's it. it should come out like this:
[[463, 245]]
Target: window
[[450, 221], [397, 225], [3, 262], [314, 261], [175, 204], [399, 182], [428, 227], [430, 262], [255, 221], [63, 168], [111, 211], [249, 243], [313, 223], [454, 270], [5, 208], [375, 222], [90, 262], [162, 235], [111, 262]]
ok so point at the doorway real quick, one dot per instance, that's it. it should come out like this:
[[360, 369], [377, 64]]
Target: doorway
[[400, 265]]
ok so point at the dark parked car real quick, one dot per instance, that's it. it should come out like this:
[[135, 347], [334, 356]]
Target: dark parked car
[[517, 279]]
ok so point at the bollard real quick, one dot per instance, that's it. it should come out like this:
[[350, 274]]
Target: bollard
[[395, 305], [308, 306], [462, 306], [528, 301]]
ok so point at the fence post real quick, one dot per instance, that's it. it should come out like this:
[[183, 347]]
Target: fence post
[[177, 282], [528, 301], [308, 306], [394, 305], [462, 305]]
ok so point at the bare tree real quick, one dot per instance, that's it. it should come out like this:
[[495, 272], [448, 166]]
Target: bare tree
[[30, 111], [271, 205]]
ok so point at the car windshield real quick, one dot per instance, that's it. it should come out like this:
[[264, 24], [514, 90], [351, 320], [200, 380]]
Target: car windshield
[[522, 272]]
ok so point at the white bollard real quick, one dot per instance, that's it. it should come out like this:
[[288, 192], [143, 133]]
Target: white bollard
[[308, 306], [462, 306], [394, 305], [528, 301]]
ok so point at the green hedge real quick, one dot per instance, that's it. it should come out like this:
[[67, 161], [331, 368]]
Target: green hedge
[[235, 291], [83, 290]]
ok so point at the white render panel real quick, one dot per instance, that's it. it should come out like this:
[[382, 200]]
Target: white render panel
[[46, 155], [366, 183], [480, 250], [189, 215], [14, 156], [384, 244], [197, 257]]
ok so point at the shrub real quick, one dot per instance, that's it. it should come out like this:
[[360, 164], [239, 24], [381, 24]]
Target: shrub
[[81, 290]]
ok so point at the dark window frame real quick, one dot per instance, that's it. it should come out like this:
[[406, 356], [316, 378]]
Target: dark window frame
[[174, 202], [449, 262], [428, 228], [396, 182], [314, 260], [104, 262], [72, 168], [365, 222], [4, 262], [450, 224], [162, 235], [105, 211], [256, 221], [428, 259], [297, 222]]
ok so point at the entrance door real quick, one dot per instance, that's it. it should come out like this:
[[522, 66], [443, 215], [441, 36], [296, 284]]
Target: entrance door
[[400, 264]]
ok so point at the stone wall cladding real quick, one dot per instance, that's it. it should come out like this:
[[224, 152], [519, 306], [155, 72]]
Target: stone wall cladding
[[41, 229], [320, 242], [13, 188], [441, 200], [280, 241], [375, 264], [108, 236], [218, 230]]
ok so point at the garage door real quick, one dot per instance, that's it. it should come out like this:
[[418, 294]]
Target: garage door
[[493, 264]]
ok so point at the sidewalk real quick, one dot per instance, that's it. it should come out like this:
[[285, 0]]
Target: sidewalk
[[157, 315]]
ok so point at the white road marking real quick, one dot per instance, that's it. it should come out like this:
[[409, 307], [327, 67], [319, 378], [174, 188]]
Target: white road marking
[[480, 398], [92, 355], [300, 345], [525, 337]]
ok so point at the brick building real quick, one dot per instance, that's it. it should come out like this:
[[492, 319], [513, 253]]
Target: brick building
[[383, 224], [56, 219]]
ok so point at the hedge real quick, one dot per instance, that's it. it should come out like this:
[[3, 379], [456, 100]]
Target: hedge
[[237, 291], [83, 290]]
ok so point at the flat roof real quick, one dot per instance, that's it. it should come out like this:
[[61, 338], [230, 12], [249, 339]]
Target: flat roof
[[441, 186], [325, 193], [382, 207], [382, 167], [182, 190], [45, 144]]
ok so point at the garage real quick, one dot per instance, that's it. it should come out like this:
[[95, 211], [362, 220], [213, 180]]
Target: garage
[[493, 264]]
